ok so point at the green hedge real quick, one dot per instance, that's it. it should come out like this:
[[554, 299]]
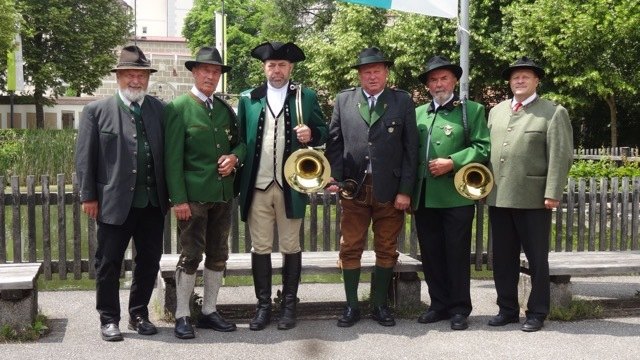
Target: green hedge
[[37, 152], [604, 167], [51, 152]]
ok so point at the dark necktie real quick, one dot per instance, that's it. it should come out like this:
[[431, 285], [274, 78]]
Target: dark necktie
[[372, 103], [209, 103], [135, 108]]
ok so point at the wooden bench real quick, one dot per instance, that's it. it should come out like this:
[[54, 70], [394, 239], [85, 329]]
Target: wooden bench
[[19, 293], [564, 265], [405, 291]]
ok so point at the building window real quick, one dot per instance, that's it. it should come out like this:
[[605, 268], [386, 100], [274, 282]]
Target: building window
[[67, 120]]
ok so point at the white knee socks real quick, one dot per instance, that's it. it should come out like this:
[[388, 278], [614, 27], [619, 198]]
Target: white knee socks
[[212, 283], [184, 288]]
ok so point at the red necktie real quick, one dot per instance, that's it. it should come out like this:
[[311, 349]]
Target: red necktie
[[517, 106]]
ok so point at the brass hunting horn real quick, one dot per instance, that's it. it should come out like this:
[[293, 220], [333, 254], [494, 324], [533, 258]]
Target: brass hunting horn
[[473, 181], [306, 170]]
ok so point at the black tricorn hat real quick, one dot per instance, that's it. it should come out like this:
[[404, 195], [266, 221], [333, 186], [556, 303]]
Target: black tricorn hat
[[523, 63], [275, 50], [439, 62], [371, 55], [132, 58], [207, 55]]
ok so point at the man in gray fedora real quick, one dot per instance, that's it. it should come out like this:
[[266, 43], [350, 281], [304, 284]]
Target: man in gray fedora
[[203, 150], [373, 140], [120, 169]]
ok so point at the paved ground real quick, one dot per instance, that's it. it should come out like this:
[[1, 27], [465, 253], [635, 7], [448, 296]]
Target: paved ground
[[75, 332]]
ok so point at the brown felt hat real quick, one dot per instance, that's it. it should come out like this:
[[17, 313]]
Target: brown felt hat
[[132, 58]]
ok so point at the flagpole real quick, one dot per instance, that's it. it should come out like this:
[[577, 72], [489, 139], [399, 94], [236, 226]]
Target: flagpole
[[463, 36], [11, 95]]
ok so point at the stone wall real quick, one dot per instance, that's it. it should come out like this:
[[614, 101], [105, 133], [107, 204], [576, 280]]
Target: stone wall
[[167, 55]]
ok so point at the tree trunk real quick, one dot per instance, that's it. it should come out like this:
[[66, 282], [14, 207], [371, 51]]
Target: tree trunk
[[37, 98], [611, 101]]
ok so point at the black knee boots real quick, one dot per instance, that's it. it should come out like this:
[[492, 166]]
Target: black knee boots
[[290, 280], [261, 269]]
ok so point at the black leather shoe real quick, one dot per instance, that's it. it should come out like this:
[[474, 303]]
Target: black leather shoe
[[111, 332], [502, 320], [431, 316], [142, 325], [349, 317], [459, 322], [382, 314], [183, 329], [216, 322], [532, 325], [261, 319]]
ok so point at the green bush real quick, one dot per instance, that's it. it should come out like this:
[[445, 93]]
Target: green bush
[[37, 152], [604, 167]]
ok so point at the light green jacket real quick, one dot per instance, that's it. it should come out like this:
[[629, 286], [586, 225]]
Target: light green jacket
[[532, 152]]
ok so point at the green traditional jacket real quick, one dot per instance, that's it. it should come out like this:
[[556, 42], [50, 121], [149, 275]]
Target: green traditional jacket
[[448, 141], [532, 155], [251, 118], [195, 138]]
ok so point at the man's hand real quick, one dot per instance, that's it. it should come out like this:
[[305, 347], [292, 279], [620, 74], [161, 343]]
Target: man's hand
[[303, 132], [226, 164], [334, 188], [551, 203], [182, 211], [403, 202], [440, 166], [91, 208]]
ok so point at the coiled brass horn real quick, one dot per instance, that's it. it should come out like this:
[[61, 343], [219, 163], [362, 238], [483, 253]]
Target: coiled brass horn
[[307, 170], [473, 181]]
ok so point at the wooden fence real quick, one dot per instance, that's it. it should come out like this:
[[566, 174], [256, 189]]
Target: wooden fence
[[596, 214], [616, 154]]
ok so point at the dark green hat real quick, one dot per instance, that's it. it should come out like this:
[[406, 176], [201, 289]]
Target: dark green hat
[[132, 58], [439, 62], [371, 55], [207, 55], [275, 50], [523, 63]]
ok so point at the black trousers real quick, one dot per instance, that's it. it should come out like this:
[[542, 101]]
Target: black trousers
[[146, 226], [526, 229], [444, 235]]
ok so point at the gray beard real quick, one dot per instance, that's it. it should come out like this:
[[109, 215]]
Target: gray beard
[[441, 98], [132, 96]]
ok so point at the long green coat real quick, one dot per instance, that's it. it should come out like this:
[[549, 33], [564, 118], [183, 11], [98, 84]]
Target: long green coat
[[194, 140], [251, 117], [532, 154], [447, 141]]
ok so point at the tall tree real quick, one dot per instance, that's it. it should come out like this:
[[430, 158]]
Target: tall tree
[[70, 42], [332, 51], [249, 23], [590, 47], [8, 22]]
